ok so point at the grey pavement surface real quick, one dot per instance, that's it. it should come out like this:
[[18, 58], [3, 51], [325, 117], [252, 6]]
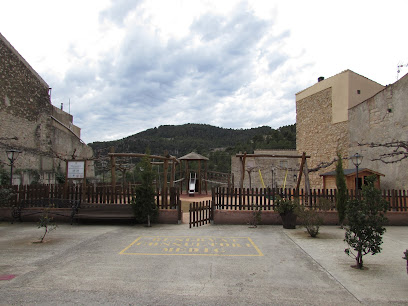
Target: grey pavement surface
[[210, 265]]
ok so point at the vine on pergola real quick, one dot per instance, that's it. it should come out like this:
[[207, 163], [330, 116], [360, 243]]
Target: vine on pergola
[[399, 151]]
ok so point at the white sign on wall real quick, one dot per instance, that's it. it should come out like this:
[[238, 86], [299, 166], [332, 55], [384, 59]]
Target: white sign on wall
[[76, 169]]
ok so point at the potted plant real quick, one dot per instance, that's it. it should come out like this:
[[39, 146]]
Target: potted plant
[[288, 211]]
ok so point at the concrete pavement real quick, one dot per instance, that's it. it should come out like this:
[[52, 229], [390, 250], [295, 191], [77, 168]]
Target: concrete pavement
[[209, 265]]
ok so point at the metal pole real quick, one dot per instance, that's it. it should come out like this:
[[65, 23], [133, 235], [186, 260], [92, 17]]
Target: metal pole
[[357, 193], [11, 171]]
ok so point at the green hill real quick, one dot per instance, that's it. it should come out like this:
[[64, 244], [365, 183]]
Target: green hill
[[216, 143]]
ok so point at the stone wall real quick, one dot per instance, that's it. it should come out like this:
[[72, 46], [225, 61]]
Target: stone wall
[[27, 124], [317, 136], [382, 119]]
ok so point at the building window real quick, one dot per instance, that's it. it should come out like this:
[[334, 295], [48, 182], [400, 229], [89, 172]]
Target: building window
[[358, 91]]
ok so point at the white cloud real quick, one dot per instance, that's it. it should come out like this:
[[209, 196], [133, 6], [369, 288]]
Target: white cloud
[[130, 65]]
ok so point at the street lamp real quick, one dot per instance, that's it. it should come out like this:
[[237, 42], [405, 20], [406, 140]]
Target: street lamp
[[273, 174], [12, 155], [357, 159]]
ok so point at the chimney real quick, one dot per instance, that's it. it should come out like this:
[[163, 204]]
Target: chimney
[[62, 106], [319, 79]]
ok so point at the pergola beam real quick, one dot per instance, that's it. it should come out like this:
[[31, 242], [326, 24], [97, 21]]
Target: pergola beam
[[142, 155], [271, 155]]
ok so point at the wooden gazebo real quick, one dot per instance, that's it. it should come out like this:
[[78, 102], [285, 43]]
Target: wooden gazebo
[[193, 156]]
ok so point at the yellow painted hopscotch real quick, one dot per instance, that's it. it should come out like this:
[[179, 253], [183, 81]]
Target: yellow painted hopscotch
[[192, 246]]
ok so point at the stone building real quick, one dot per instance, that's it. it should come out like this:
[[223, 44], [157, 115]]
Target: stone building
[[30, 123], [322, 110], [272, 170], [382, 119]]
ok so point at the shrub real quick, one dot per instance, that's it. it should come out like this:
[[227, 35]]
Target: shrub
[[366, 219], [256, 218], [144, 206], [284, 206], [5, 195], [341, 199], [310, 218]]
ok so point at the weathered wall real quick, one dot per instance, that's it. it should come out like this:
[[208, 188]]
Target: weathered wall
[[273, 170], [317, 136], [27, 123], [382, 119]]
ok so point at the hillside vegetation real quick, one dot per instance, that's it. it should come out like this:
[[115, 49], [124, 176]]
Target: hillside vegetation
[[216, 143]]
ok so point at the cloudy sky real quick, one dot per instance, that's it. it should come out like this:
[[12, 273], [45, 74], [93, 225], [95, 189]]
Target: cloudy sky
[[124, 66]]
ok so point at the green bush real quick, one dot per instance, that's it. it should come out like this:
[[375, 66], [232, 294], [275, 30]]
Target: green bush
[[341, 198], [4, 176], [144, 206], [284, 206], [6, 193], [366, 220]]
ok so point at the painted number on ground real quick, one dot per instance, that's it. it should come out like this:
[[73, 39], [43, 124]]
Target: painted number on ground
[[204, 246]]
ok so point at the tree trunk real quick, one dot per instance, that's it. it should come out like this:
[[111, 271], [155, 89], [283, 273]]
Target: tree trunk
[[45, 233], [148, 220], [359, 260]]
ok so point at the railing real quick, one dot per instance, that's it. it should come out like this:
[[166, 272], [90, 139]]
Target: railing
[[95, 194], [265, 198]]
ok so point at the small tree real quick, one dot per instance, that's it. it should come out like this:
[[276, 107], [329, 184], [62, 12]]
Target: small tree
[[47, 223], [366, 219], [144, 206], [341, 197]]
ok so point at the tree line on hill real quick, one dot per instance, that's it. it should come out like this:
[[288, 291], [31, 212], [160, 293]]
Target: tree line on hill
[[218, 144]]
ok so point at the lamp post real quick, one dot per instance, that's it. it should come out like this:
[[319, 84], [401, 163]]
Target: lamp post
[[12, 155], [357, 159], [273, 174]]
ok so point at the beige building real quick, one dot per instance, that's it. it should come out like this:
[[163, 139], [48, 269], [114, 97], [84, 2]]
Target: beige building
[[322, 110], [276, 172], [30, 123]]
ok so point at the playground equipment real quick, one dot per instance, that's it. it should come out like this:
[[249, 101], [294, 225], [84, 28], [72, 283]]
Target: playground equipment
[[166, 162], [260, 176], [302, 169], [197, 160], [192, 184], [286, 176]]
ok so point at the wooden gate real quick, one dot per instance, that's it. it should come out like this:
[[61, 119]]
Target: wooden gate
[[200, 213]]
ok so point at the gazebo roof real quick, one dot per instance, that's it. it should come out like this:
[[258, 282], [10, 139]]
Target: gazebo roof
[[193, 156], [350, 172]]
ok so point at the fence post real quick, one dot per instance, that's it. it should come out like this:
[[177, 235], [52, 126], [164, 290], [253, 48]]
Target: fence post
[[179, 213]]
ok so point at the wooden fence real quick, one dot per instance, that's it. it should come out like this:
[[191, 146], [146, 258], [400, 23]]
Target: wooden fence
[[94, 194], [264, 198], [200, 213]]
